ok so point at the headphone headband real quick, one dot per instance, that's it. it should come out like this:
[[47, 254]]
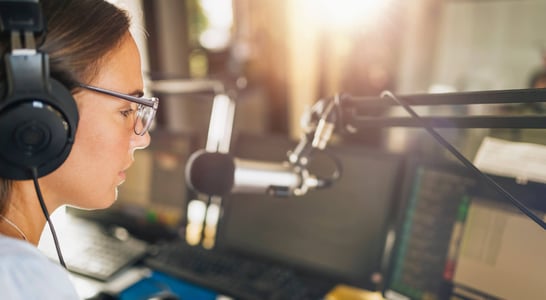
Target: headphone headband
[[21, 15]]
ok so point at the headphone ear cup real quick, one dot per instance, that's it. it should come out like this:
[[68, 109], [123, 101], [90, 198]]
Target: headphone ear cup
[[36, 132]]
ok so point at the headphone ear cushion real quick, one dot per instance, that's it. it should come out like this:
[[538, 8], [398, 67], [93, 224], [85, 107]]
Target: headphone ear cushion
[[36, 132]]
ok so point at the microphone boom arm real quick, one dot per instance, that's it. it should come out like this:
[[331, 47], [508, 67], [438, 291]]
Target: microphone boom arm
[[353, 111], [352, 114]]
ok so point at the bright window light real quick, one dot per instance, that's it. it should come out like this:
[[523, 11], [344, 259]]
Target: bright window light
[[347, 14], [219, 14]]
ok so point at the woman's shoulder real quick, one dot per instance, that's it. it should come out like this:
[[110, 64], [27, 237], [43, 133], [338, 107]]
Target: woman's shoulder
[[20, 257], [13, 247], [26, 273], [18, 252]]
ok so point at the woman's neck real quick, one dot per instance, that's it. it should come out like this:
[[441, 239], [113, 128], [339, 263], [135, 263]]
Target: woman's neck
[[24, 214], [11, 229]]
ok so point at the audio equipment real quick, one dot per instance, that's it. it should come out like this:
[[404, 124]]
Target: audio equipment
[[38, 115], [219, 174]]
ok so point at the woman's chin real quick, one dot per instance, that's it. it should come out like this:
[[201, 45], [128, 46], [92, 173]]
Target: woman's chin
[[105, 202]]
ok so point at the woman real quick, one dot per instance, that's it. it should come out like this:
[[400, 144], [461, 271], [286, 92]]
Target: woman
[[92, 53]]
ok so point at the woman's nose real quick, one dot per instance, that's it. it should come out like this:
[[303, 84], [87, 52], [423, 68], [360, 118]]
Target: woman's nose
[[141, 141]]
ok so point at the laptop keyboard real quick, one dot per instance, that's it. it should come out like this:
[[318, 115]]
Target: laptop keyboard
[[91, 250], [236, 276]]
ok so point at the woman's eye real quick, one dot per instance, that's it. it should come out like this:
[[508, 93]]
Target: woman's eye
[[127, 112]]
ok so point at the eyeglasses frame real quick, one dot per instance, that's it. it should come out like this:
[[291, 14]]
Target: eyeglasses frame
[[152, 102]]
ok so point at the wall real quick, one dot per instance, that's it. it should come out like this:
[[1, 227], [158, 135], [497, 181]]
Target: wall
[[476, 45]]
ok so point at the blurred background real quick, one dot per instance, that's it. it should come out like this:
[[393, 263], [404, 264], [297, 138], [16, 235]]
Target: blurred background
[[276, 58], [281, 56]]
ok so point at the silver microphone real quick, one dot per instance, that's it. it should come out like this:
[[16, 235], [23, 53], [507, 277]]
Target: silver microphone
[[219, 174]]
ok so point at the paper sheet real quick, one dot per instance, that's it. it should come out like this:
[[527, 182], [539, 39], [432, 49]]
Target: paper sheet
[[523, 161]]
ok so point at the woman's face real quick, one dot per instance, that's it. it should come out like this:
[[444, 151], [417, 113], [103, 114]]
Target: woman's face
[[105, 140]]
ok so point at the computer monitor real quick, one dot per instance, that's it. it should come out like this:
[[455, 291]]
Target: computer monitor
[[152, 201], [434, 199], [339, 232], [458, 238], [502, 252]]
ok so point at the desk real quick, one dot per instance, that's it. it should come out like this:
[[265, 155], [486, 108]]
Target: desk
[[137, 283]]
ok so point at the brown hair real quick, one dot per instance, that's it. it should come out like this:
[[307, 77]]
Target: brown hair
[[80, 33]]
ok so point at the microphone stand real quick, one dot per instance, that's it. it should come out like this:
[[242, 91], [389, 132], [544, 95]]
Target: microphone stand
[[353, 115], [353, 110], [218, 140]]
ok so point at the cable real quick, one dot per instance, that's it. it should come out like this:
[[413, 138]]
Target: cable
[[464, 160], [46, 214]]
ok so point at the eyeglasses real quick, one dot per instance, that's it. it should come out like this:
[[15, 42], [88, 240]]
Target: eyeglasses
[[146, 109]]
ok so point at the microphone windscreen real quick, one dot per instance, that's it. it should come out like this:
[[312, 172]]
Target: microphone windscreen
[[211, 173]]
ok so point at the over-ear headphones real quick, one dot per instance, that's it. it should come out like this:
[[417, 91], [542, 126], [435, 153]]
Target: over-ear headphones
[[38, 115]]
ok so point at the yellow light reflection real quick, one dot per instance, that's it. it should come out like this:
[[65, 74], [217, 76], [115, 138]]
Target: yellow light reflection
[[196, 215]]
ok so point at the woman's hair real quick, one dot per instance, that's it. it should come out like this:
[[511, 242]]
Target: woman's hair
[[80, 34]]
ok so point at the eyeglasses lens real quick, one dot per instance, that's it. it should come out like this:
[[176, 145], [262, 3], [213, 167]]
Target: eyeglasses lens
[[144, 118]]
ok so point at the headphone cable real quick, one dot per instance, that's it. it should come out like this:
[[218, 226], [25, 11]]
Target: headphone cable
[[46, 214]]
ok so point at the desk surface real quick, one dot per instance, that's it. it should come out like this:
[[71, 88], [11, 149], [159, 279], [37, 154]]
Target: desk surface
[[142, 281], [136, 282]]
